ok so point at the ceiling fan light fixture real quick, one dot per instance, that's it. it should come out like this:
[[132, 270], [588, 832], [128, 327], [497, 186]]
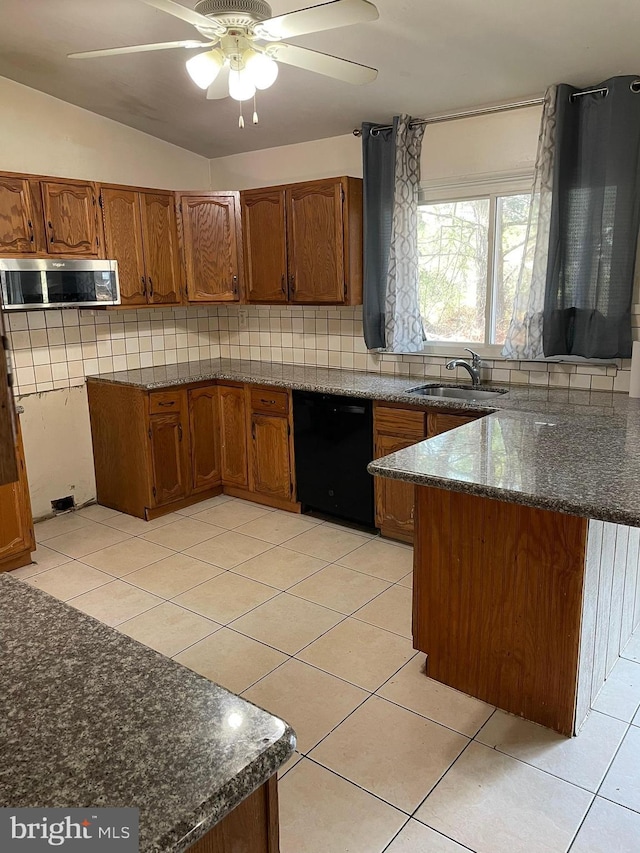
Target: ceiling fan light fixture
[[241, 85], [262, 68], [203, 68]]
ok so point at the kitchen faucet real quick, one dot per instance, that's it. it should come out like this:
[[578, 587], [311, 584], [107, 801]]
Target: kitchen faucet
[[473, 369]]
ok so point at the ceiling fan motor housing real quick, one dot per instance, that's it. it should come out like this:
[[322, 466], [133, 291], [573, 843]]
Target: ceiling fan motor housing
[[235, 13]]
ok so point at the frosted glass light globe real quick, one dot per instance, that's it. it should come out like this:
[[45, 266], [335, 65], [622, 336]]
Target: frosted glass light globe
[[241, 85], [203, 68], [263, 69]]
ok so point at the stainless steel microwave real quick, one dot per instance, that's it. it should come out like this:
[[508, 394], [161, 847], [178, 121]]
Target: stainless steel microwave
[[33, 283]]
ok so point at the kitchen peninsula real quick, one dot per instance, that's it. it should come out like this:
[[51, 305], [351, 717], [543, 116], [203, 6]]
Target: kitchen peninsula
[[526, 580], [90, 717]]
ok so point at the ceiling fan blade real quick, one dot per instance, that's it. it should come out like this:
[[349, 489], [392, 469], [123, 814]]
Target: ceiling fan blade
[[179, 11], [138, 48], [220, 87], [326, 16], [322, 63]]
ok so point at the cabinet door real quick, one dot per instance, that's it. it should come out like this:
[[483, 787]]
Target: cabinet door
[[70, 218], [264, 233], [16, 524], [210, 247], [169, 456], [270, 455], [123, 242], [205, 442], [16, 217], [394, 499], [315, 228], [439, 423], [233, 429], [160, 241]]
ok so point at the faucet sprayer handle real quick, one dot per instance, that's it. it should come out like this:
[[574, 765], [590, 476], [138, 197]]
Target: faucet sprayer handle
[[475, 361]]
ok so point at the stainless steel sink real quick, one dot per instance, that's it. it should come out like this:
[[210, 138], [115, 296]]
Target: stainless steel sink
[[457, 392]]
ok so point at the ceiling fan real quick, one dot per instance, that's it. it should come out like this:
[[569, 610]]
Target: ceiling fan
[[244, 44]]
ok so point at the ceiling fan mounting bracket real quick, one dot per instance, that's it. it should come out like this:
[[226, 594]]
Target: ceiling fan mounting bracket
[[234, 13]]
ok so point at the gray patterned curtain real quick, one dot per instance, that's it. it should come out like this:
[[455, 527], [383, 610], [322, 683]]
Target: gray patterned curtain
[[524, 337], [392, 317]]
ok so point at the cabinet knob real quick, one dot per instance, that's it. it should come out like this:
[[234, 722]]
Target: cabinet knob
[[234, 283], [150, 287], [144, 285], [292, 283]]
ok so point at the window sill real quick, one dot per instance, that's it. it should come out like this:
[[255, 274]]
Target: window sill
[[494, 353]]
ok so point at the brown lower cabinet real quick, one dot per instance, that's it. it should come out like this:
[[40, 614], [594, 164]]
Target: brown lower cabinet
[[397, 427], [252, 827], [157, 451], [16, 524]]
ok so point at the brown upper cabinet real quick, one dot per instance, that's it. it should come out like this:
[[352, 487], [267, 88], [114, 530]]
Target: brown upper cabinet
[[48, 216], [140, 231], [71, 220], [160, 240], [310, 233], [264, 231], [17, 230], [210, 231]]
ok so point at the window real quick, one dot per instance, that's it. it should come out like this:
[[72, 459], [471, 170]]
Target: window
[[470, 254]]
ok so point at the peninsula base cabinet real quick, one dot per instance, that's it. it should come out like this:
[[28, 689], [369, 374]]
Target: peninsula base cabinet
[[397, 427], [158, 451], [17, 540], [252, 827]]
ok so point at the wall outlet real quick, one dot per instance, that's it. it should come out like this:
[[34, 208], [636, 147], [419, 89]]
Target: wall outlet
[[243, 317]]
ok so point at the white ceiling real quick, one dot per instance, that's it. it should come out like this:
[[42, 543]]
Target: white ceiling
[[433, 56]]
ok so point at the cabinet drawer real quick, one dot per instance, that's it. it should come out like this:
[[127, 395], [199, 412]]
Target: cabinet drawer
[[163, 402], [400, 422], [268, 400]]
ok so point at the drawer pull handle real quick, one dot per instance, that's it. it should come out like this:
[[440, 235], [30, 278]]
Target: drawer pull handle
[[268, 402], [172, 403]]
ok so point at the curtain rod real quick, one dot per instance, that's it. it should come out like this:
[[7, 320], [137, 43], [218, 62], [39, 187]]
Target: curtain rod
[[483, 111], [517, 105]]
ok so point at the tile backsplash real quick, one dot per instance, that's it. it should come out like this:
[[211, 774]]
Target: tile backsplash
[[58, 349], [332, 337]]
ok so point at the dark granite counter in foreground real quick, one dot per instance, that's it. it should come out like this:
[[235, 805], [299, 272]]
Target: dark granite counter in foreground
[[89, 717]]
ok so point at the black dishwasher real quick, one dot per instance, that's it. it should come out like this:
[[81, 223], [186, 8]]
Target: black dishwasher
[[334, 444]]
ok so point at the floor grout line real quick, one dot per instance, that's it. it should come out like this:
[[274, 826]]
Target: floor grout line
[[289, 656]]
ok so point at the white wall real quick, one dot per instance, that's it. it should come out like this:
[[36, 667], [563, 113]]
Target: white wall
[[501, 142], [44, 135], [305, 161]]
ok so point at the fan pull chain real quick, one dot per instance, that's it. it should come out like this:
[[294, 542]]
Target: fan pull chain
[[241, 119], [255, 111]]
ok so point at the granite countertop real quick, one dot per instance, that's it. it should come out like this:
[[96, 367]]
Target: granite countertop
[[559, 449], [357, 383], [582, 465], [90, 717]]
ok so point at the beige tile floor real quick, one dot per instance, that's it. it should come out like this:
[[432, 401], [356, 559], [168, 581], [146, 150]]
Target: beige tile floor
[[312, 621]]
